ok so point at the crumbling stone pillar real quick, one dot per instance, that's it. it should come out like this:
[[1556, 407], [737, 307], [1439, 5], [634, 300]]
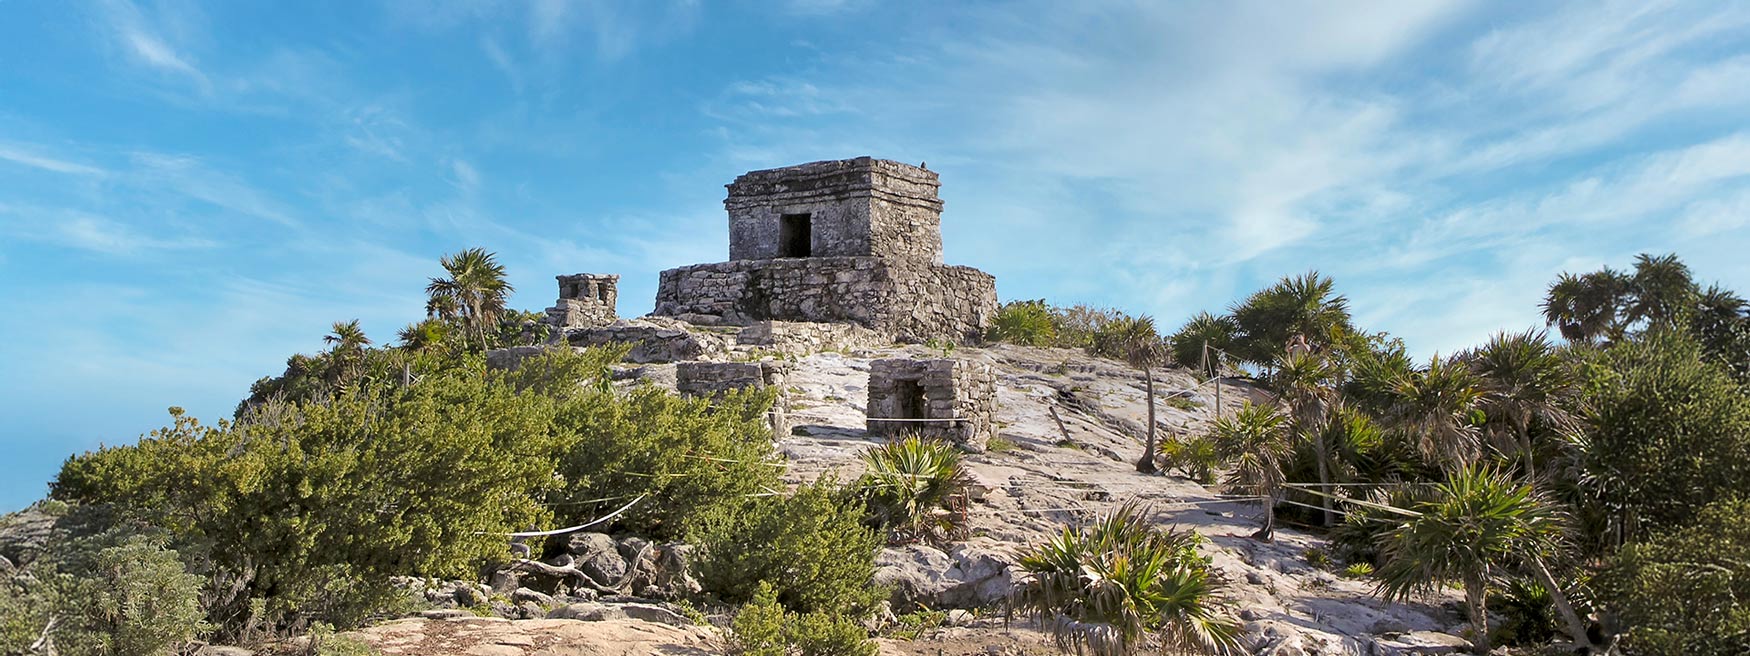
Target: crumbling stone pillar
[[585, 300], [942, 397], [712, 379]]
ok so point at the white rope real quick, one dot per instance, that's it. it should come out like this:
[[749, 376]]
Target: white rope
[[579, 527]]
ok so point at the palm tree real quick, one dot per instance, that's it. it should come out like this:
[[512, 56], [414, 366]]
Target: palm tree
[[346, 345], [1662, 288], [1523, 379], [1107, 589], [912, 487], [1304, 305], [1134, 340], [475, 290], [1589, 308], [1435, 406], [423, 336], [1256, 441], [1203, 343], [1305, 382], [1477, 528]]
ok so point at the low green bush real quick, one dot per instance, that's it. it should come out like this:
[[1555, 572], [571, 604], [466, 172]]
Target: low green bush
[[811, 547], [1193, 457], [762, 627], [1028, 323], [911, 489]]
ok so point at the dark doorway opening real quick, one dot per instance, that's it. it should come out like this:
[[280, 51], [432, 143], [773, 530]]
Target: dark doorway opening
[[908, 399], [794, 238]]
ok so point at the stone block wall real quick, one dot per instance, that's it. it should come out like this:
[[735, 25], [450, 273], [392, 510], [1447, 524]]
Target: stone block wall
[[709, 379], [910, 303], [799, 338], [961, 393], [653, 340], [854, 207], [585, 299]]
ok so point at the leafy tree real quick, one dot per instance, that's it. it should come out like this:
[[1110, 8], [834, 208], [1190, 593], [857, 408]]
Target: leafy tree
[[1666, 432], [1721, 322], [346, 347], [1305, 306], [1436, 406], [1134, 340], [474, 293], [1306, 384], [133, 598], [1203, 343], [1588, 308], [1477, 528], [1110, 588], [762, 627], [810, 546], [1662, 290], [1257, 443], [1686, 592], [426, 335]]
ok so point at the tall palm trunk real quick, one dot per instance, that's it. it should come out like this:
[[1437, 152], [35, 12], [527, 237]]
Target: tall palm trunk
[[1146, 464], [1268, 532], [1322, 452], [1477, 603]]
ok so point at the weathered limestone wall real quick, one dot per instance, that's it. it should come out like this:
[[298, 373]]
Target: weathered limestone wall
[[653, 339], [800, 338], [911, 303], [856, 207], [960, 392], [710, 379], [585, 299]]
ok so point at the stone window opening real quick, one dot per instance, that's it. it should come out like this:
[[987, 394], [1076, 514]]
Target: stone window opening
[[909, 400], [795, 235]]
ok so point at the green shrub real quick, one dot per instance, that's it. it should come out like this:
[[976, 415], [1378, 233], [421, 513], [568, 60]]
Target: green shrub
[[1358, 570], [1528, 613], [914, 625], [911, 489], [1188, 344], [111, 593], [1318, 558], [1110, 588], [1687, 592], [763, 628], [1193, 457], [324, 642], [810, 546], [1028, 323]]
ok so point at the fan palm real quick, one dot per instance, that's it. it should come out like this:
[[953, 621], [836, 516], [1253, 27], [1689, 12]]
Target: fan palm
[[474, 292], [911, 487], [1203, 343], [1107, 589], [1135, 340], [1304, 305], [1479, 525], [1523, 379], [346, 345], [1435, 406], [1662, 288], [1588, 308], [1306, 383], [1256, 441]]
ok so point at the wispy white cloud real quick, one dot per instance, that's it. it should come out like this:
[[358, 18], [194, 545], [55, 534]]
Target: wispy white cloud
[[135, 35], [88, 232], [20, 155]]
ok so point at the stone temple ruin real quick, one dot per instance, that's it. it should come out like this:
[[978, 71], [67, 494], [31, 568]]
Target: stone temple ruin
[[846, 241], [585, 299], [948, 398]]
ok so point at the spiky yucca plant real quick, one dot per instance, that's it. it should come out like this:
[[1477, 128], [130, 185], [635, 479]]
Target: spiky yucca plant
[[912, 486], [1114, 587]]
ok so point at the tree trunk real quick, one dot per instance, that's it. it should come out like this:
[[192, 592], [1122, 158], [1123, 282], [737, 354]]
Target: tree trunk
[[1146, 464], [1321, 451], [1477, 601], [1572, 624], [1268, 532]]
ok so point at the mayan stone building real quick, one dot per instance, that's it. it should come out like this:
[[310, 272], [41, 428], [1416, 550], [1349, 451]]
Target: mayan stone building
[[852, 241], [585, 299], [944, 397]]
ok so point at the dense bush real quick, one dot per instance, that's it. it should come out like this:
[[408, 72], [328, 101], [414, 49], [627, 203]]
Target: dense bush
[[762, 627], [113, 593], [1686, 592], [1028, 323], [1193, 457], [911, 489], [1203, 342], [810, 546]]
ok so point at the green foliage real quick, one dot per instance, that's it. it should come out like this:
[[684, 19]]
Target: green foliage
[[1203, 342], [917, 624], [1527, 611], [324, 642], [1685, 592], [1358, 570], [1305, 306], [912, 487], [687, 456], [1028, 323], [1478, 525], [763, 628], [1318, 558], [358, 487], [110, 593], [1256, 444], [810, 546], [1192, 457], [472, 295], [1110, 588], [1666, 434]]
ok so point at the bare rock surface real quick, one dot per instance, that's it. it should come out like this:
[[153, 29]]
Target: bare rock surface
[[476, 636]]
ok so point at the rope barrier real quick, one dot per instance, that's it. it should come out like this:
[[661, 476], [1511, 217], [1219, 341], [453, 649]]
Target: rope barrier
[[579, 527]]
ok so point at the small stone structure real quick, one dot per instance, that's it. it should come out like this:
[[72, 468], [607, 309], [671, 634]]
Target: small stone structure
[[711, 379], [844, 241], [585, 300], [960, 393]]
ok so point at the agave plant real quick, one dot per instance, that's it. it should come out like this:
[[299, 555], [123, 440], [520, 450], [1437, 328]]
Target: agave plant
[[1116, 586], [912, 488]]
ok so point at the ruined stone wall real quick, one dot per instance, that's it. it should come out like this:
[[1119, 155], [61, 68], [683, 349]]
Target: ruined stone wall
[[911, 303], [801, 338], [856, 207], [960, 393]]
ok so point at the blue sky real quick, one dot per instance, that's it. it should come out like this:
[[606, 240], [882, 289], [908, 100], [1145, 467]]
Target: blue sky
[[190, 192]]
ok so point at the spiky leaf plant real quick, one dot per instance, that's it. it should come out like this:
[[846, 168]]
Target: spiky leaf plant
[[1120, 585], [912, 487]]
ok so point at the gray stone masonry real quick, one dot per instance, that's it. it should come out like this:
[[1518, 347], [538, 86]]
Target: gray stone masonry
[[710, 379], [585, 299], [847, 207], [960, 392], [849, 241], [654, 339]]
